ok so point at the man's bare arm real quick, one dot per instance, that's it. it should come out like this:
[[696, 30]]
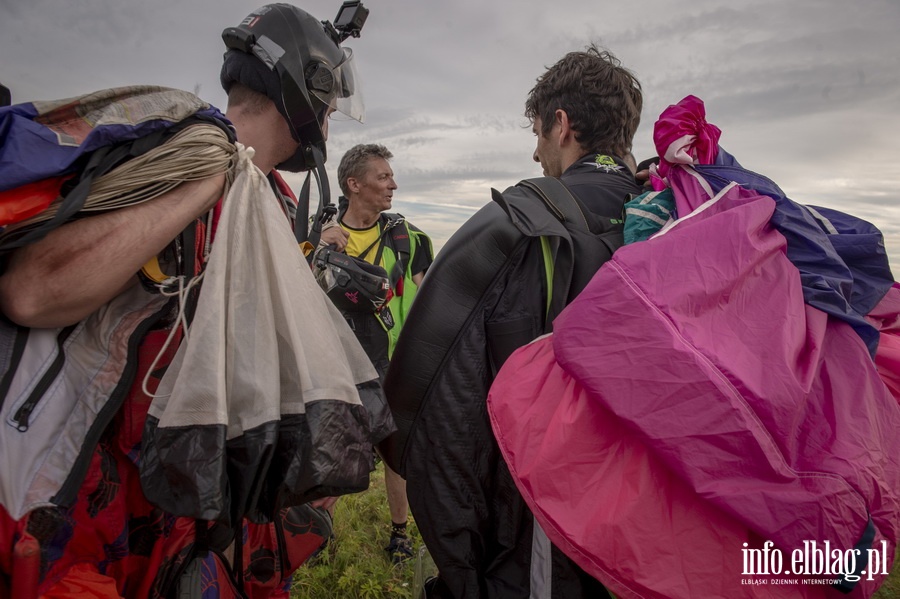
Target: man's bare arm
[[80, 266]]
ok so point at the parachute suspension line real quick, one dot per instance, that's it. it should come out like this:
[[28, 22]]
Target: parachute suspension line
[[207, 237], [197, 152], [221, 155], [208, 233], [165, 289]]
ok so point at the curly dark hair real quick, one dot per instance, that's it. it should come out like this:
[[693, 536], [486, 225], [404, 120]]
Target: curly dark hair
[[602, 99]]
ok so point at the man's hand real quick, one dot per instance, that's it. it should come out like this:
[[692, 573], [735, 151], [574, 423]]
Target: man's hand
[[326, 503], [642, 176], [335, 235]]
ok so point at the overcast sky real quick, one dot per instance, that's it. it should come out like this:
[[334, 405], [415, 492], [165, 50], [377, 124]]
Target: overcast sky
[[806, 92]]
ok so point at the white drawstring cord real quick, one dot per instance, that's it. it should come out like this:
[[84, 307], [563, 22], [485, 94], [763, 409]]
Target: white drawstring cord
[[180, 320], [182, 292]]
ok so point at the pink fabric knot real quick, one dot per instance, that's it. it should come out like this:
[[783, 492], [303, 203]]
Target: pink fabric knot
[[682, 136]]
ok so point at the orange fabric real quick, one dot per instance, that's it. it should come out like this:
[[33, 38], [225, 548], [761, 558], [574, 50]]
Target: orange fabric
[[24, 202], [83, 581]]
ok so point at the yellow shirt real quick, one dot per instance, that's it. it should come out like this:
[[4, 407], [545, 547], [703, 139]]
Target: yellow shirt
[[360, 239]]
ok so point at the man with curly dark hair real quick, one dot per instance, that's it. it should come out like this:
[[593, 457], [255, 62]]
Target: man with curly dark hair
[[493, 289]]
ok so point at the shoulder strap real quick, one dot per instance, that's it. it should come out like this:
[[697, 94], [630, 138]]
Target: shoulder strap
[[559, 201], [368, 249], [398, 238], [560, 266]]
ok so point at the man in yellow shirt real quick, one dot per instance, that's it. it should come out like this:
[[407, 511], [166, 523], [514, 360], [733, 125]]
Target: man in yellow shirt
[[388, 240]]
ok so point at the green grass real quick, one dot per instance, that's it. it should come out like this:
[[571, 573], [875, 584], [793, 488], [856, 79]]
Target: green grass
[[355, 565], [891, 587]]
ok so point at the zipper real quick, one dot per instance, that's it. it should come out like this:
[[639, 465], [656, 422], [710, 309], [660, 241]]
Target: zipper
[[15, 358], [23, 414]]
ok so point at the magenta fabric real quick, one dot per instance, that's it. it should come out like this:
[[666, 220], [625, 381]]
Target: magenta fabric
[[606, 501], [683, 136], [737, 412], [886, 318]]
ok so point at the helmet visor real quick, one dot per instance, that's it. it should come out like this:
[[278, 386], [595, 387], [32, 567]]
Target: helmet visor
[[346, 99]]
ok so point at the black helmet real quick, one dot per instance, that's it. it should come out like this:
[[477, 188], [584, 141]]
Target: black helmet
[[297, 61], [353, 284]]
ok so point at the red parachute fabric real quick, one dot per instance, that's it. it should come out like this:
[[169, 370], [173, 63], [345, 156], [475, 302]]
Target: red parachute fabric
[[28, 200]]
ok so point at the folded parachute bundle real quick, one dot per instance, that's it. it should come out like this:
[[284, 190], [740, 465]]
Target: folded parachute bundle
[[270, 401], [62, 387], [58, 161], [698, 400], [101, 151]]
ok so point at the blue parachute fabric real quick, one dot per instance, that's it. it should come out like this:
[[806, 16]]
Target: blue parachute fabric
[[843, 264], [30, 150], [860, 244]]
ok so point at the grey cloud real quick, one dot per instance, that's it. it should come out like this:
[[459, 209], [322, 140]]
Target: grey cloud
[[443, 181], [415, 141], [804, 90]]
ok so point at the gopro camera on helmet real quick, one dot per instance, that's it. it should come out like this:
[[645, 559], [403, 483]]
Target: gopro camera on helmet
[[350, 19], [298, 62], [239, 39]]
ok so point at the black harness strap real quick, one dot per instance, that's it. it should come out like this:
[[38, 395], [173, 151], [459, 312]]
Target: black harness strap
[[559, 201], [301, 221], [400, 244]]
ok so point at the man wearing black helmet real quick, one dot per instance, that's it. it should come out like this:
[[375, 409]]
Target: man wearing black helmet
[[306, 82], [284, 72]]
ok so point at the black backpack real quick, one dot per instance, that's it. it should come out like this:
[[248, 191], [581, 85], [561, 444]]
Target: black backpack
[[533, 209]]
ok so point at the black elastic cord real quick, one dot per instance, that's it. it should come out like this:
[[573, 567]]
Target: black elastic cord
[[326, 208], [239, 555], [301, 222]]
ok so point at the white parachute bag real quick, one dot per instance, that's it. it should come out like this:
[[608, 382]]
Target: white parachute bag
[[261, 405]]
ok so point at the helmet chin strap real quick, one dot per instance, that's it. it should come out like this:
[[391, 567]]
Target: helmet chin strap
[[326, 209]]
